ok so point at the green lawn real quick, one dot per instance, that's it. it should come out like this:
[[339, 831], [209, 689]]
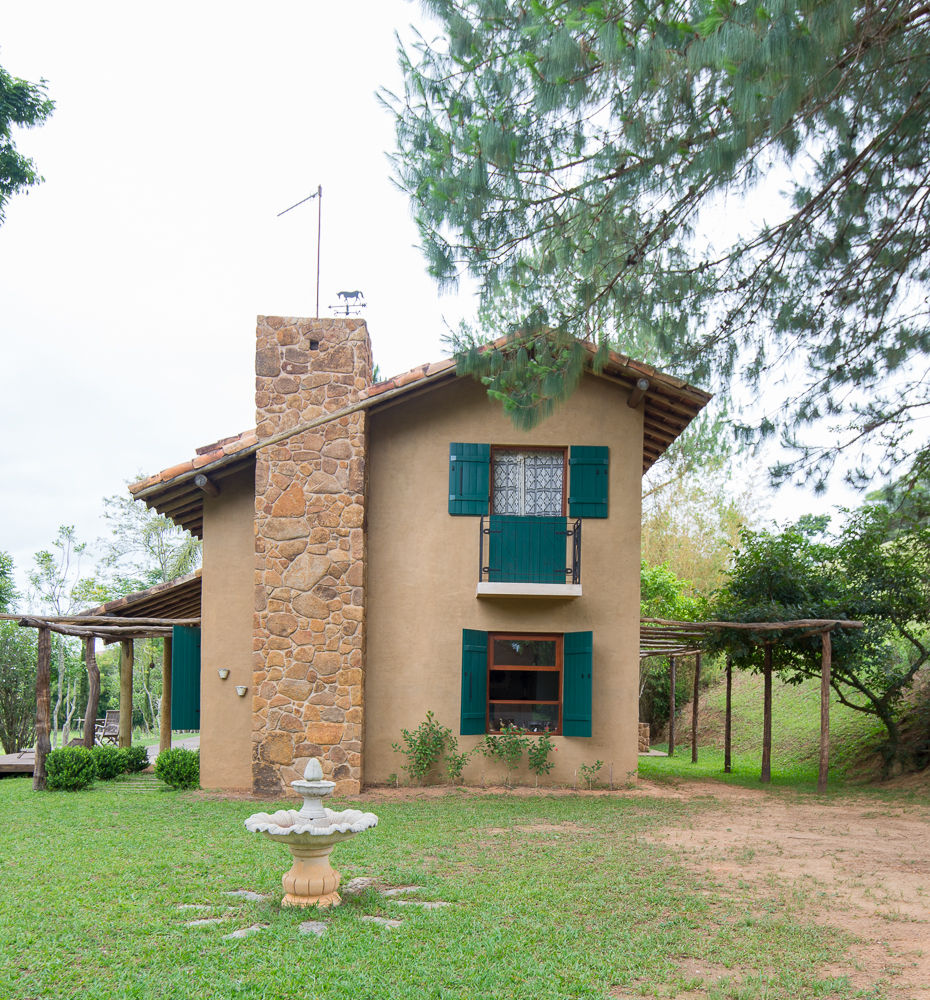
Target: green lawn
[[553, 897]]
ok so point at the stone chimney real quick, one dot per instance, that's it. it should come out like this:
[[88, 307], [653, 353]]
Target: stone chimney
[[310, 551]]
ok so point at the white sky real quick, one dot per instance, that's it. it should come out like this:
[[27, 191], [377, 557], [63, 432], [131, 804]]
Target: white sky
[[130, 280]]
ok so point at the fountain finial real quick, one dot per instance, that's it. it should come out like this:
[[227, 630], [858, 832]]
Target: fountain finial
[[314, 770]]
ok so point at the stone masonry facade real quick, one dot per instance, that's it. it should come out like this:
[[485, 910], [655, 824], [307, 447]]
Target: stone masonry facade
[[310, 558]]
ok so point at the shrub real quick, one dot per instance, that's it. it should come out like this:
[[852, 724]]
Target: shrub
[[70, 769], [508, 747], [455, 761], [110, 761], [423, 747], [537, 755], [137, 758], [589, 772], [178, 767]]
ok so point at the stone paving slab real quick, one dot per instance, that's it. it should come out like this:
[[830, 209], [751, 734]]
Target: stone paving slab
[[313, 927], [244, 932], [425, 905], [384, 921], [252, 897]]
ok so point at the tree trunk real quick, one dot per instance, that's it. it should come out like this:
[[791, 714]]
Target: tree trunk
[[766, 775], [125, 692], [825, 664], [164, 708], [727, 725], [43, 707], [671, 709], [694, 708], [61, 681], [93, 690]]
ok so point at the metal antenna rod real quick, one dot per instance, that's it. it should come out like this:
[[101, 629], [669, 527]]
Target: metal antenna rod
[[319, 231]]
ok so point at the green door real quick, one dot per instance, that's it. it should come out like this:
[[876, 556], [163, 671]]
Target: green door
[[526, 549], [185, 678]]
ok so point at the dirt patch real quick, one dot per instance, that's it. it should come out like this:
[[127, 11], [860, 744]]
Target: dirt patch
[[860, 865]]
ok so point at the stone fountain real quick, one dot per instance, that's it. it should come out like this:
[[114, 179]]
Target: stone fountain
[[310, 835]]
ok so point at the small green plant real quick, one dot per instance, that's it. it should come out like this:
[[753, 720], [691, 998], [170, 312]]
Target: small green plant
[[178, 767], [393, 779], [455, 761], [70, 769], [423, 747], [508, 747], [110, 761], [537, 755], [589, 772], [137, 758]]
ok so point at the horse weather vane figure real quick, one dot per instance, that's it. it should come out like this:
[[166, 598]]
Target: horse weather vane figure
[[350, 304], [318, 194]]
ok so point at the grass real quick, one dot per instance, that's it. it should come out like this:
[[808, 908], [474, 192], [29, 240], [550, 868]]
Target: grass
[[553, 896]]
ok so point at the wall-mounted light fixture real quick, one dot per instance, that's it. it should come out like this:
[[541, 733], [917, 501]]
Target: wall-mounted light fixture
[[241, 690], [223, 672]]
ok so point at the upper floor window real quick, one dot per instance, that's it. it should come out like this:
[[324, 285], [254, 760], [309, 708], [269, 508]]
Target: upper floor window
[[528, 483]]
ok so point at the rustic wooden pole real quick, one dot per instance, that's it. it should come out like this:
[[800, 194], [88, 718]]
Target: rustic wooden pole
[[671, 707], [766, 775], [93, 690], [826, 656], [694, 708], [727, 724], [126, 659], [43, 707], [164, 709]]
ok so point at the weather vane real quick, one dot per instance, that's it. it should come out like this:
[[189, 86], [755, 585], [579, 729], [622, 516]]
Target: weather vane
[[350, 303], [318, 194]]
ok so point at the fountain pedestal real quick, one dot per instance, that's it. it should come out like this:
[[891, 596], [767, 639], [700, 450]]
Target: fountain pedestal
[[310, 835]]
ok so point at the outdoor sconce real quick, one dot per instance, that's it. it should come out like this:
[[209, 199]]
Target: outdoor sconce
[[241, 690], [223, 672]]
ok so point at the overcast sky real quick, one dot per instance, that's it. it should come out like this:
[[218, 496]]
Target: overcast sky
[[130, 280]]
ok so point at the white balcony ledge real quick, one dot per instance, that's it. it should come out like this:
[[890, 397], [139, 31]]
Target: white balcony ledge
[[562, 590]]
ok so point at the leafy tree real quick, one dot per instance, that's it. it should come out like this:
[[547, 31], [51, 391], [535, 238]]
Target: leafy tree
[[589, 164], [868, 571], [22, 104], [144, 548], [58, 587], [664, 595], [17, 670]]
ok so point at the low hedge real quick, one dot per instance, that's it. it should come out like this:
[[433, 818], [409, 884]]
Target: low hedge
[[137, 758], [70, 769], [178, 767]]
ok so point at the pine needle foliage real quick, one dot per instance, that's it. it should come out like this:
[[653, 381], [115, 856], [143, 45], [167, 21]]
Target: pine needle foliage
[[581, 160]]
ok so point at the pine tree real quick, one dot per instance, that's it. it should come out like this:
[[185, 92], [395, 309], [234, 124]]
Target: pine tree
[[581, 159], [22, 104]]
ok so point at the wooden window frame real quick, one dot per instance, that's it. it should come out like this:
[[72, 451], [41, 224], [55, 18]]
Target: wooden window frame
[[559, 639], [563, 451]]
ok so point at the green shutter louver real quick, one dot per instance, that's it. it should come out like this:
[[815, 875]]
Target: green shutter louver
[[588, 477], [577, 663], [185, 678], [474, 682], [469, 478]]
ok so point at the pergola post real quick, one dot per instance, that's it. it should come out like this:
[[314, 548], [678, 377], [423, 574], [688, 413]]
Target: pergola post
[[164, 707], [826, 656], [43, 707], [126, 659], [766, 775], [93, 689], [727, 731], [694, 708], [671, 707]]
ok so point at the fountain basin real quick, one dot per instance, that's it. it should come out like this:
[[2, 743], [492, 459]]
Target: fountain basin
[[310, 834]]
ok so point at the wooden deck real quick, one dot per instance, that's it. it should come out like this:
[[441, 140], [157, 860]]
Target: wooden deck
[[18, 763]]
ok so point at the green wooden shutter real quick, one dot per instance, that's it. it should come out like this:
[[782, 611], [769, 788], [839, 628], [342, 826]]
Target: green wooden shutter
[[577, 662], [526, 549], [587, 484], [185, 678], [469, 478], [474, 682]]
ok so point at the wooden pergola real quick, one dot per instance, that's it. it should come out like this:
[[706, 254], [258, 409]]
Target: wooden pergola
[[151, 613], [674, 639]]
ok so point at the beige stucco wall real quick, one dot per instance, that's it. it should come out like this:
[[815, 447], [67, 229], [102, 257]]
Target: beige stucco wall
[[227, 612], [423, 566]]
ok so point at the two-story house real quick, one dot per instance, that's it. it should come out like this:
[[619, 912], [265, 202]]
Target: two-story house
[[375, 551]]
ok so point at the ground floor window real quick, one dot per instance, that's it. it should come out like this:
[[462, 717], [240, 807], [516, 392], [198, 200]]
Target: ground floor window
[[525, 682], [541, 682]]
